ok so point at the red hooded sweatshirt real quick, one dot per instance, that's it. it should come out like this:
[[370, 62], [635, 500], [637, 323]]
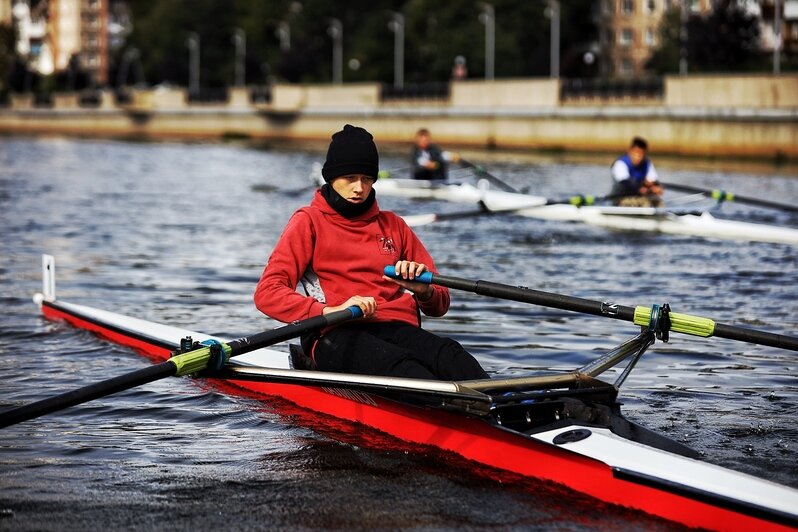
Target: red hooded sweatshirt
[[336, 258]]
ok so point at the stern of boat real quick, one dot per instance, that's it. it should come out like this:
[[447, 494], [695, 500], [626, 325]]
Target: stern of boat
[[48, 281]]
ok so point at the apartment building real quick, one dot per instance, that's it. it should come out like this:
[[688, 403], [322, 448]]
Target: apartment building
[[79, 28], [54, 32], [629, 33], [787, 34], [5, 11]]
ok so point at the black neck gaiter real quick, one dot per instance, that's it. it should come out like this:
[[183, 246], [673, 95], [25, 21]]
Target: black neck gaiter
[[342, 206]]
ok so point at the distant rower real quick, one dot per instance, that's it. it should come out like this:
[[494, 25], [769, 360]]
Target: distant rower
[[636, 183], [429, 161]]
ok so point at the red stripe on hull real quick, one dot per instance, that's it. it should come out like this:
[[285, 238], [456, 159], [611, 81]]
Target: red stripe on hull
[[153, 352], [476, 440]]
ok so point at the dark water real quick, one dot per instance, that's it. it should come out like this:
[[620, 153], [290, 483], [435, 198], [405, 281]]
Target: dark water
[[179, 233]]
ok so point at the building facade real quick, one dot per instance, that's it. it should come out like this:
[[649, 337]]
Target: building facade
[[78, 31], [5, 11], [629, 33], [786, 34], [59, 35]]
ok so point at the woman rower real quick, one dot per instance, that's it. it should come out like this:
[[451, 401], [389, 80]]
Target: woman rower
[[337, 248]]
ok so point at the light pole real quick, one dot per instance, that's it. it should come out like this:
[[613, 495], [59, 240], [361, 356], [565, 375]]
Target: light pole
[[683, 39], [283, 31], [777, 37], [397, 26], [336, 31], [283, 34], [193, 44], [240, 41], [488, 18], [554, 43], [128, 57]]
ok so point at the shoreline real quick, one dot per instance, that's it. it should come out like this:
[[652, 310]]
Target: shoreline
[[763, 166]]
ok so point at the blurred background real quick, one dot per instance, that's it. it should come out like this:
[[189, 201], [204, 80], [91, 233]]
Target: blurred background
[[290, 62], [74, 44], [241, 98]]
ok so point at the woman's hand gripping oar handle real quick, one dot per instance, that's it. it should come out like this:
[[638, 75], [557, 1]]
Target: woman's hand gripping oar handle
[[681, 323], [183, 364]]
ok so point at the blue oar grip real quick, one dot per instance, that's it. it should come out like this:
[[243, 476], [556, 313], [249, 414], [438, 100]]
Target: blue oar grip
[[356, 311], [425, 277]]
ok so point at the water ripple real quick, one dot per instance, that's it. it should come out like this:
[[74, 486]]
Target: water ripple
[[123, 223]]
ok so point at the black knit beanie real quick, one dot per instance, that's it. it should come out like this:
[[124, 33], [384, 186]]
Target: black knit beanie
[[352, 151]]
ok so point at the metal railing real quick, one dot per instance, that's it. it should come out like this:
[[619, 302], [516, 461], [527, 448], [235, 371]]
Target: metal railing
[[260, 94], [90, 98], [123, 96], [416, 91], [606, 89], [42, 99], [209, 95]]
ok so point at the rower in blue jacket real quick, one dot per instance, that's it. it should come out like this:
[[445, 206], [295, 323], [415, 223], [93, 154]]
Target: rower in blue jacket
[[636, 183]]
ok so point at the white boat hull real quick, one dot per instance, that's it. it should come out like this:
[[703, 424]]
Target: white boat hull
[[635, 462], [618, 218]]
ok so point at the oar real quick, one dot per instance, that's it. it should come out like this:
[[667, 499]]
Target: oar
[[182, 364], [643, 316], [481, 172], [416, 220], [722, 195]]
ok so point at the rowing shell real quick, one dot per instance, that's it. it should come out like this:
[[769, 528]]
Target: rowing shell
[[620, 218], [660, 221], [459, 193], [547, 436]]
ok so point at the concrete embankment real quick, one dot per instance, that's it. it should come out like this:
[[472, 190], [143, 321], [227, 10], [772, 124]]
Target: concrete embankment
[[706, 116]]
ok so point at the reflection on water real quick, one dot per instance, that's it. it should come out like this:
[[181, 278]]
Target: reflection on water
[[179, 233]]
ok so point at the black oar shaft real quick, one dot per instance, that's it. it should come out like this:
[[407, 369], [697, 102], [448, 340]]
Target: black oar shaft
[[182, 364], [88, 393], [753, 336], [490, 177], [683, 323], [292, 330], [721, 195], [538, 297]]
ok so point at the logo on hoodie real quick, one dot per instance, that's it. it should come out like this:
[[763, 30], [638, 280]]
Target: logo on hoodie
[[387, 246]]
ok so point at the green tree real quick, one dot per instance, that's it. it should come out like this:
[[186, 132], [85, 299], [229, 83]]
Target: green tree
[[727, 39], [435, 33], [724, 40], [8, 55]]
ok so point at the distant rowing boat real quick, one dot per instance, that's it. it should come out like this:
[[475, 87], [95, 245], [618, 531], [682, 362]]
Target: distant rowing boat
[[700, 224], [564, 428]]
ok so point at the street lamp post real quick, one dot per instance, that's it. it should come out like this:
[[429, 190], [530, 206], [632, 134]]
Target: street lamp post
[[397, 26], [683, 39], [554, 43], [336, 31], [488, 18], [130, 55], [777, 37], [193, 44], [283, 34], [240, 42]]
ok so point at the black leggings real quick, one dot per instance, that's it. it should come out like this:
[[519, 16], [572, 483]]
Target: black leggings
[[395, 349]]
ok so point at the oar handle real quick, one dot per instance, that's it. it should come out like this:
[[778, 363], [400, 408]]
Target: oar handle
[[426, 277], [682, 323]]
